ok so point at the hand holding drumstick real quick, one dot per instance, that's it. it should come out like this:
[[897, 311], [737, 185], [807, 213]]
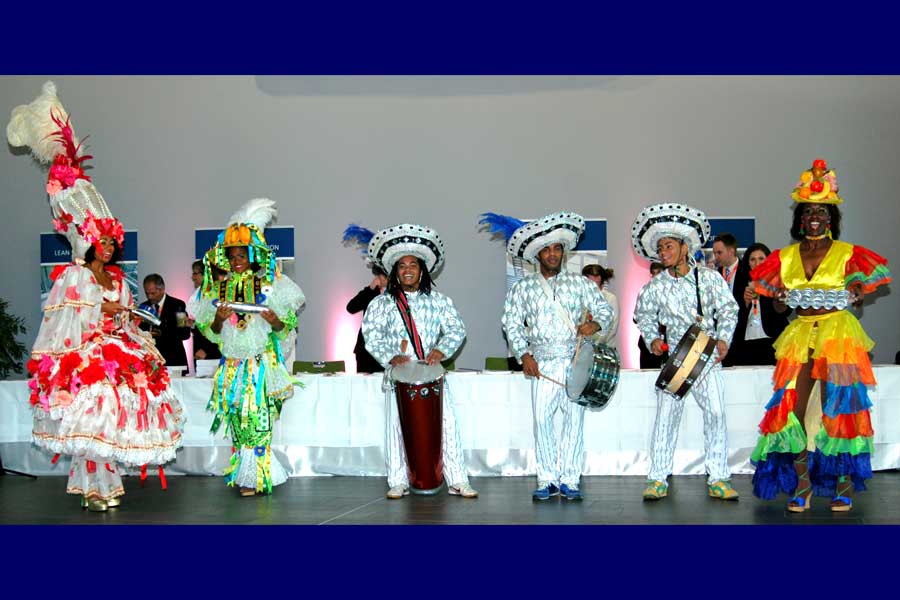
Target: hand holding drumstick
[[587, 327], [530, 369]]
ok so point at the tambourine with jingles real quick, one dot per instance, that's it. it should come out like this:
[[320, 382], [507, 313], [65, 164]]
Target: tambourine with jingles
[[687, 362]]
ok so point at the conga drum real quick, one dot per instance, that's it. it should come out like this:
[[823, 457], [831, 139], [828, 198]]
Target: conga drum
[[419, 390]]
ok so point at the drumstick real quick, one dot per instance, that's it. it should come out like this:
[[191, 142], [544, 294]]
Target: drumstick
[[553, 380], [578, 343]]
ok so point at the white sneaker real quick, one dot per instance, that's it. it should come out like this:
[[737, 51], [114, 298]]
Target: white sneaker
[[463, 489], [397, 492]]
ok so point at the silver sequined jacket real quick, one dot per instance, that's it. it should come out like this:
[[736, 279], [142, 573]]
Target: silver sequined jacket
[[437, 321], [672, 302], [548, 336]]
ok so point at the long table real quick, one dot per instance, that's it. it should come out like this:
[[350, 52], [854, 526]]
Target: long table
[[334, 425]]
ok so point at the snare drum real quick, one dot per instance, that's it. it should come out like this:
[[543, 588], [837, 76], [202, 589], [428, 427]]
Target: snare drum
[[593, 375], [419, 390], [687, 363]]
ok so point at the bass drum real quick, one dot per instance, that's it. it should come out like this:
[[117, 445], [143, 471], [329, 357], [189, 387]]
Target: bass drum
[[593, 375], [687, 363]]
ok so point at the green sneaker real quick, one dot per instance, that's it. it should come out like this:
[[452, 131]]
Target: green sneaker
[[722, 490], [656, 490]]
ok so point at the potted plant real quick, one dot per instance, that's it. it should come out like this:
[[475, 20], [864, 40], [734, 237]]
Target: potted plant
[[11, 350]]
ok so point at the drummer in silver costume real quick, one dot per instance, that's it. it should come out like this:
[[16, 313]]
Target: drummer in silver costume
[[552, 302], [672, 233], [410, 253]]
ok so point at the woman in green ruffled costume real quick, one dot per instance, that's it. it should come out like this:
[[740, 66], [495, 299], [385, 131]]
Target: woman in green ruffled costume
[[252, 382]]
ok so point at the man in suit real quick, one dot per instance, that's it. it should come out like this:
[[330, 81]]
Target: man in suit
[[725, 249], [168, 335]]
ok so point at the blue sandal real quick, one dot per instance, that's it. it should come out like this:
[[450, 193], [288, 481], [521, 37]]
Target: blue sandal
[[801, 501], [847, 502]]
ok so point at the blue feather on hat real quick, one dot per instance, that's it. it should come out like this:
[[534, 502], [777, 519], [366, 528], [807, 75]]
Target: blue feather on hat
[[359, 235], [501, 224]]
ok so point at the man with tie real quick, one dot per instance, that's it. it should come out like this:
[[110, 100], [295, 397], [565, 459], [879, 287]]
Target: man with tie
[[170, 334], [725, 250]]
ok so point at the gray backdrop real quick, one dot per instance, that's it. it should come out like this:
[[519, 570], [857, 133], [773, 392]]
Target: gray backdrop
[[175, 153]]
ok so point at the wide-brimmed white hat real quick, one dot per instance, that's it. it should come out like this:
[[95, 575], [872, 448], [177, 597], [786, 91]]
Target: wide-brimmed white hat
[[558, 228], [391, 244], [668, 220]]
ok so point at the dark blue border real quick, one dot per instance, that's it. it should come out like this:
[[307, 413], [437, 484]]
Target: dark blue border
[[758, 38], [719, 561], [187, 38]]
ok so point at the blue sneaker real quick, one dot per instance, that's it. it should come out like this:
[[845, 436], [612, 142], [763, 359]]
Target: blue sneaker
[[545, 491], [571, 493]]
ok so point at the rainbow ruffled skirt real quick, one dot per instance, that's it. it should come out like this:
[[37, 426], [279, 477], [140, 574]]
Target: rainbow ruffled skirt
[[843, 445]]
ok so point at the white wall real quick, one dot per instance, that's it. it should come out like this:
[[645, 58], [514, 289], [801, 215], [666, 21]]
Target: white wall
[[175, 153]]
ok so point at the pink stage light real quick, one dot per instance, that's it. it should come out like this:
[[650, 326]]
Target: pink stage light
[[341, 335], [637, 274]]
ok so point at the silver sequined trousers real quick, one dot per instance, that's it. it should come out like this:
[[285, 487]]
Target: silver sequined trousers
[[558, 460], [709, 393]]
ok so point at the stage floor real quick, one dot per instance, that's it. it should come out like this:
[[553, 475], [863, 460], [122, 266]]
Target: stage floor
[[360, 500]]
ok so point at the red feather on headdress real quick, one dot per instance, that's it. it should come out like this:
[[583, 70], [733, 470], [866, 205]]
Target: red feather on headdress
[[66, 137], [66, 167]]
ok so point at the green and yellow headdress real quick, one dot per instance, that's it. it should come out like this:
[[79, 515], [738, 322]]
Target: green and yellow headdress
[[245, 228]]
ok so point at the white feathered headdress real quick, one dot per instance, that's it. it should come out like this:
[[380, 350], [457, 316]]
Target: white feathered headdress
[[259, 211], [80, 212]]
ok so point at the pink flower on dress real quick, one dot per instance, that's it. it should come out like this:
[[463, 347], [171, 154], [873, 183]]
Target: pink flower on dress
[[111, 367], [140, 380], [63, 398], [46, 363], [72, 293]]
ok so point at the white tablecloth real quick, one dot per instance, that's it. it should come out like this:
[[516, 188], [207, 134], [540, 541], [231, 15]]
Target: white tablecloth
[[335, 425]]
